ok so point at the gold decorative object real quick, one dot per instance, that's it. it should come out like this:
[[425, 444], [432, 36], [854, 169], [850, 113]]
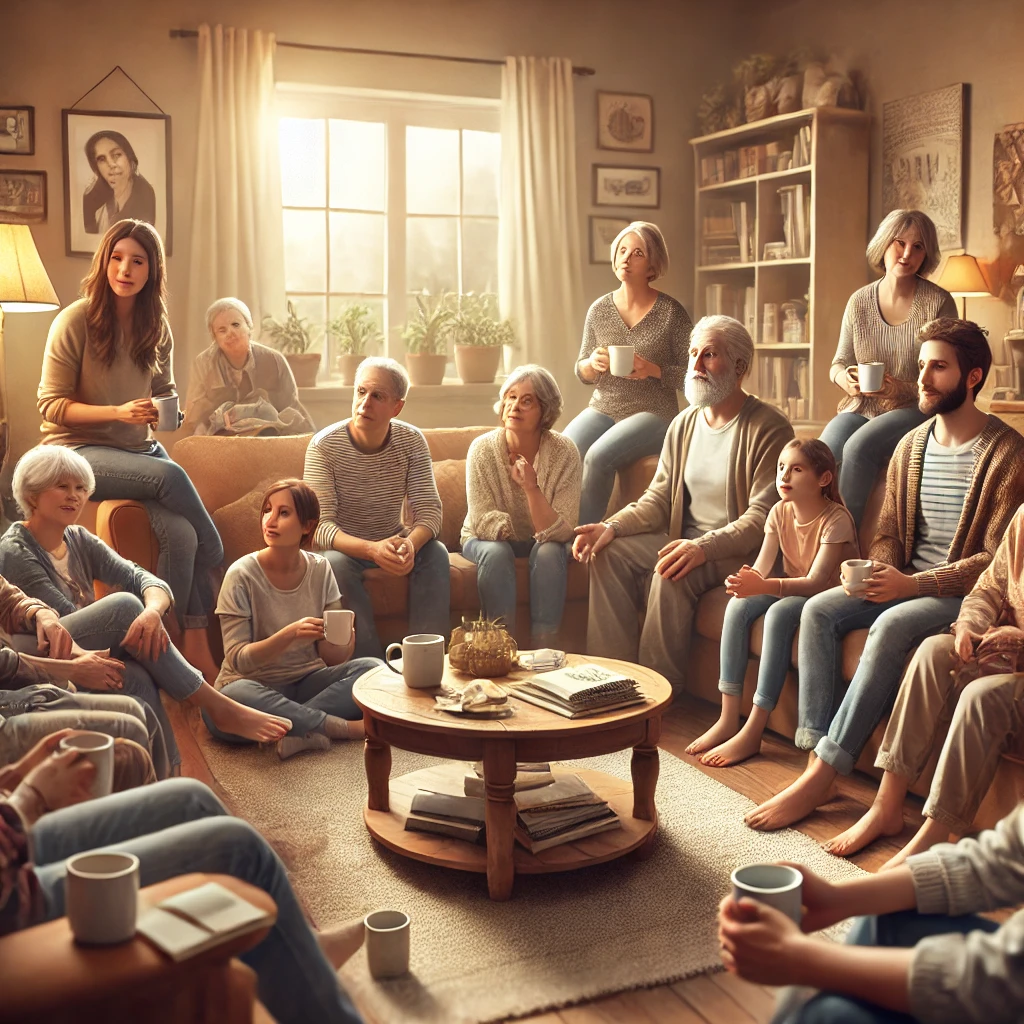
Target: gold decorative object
[[482, 648]]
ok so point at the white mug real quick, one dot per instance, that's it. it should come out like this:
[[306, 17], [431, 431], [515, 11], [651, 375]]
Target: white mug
[[777, 885], [855, 574], [620, 360], [101, 897], [387, 943], [98, 747], [338, 623], [870, 377], [422, 660], [167, 410]]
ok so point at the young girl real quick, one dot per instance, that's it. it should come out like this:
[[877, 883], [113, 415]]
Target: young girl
[[815, 533]]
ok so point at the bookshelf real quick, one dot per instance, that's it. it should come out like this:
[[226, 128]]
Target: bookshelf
[[815, 213]]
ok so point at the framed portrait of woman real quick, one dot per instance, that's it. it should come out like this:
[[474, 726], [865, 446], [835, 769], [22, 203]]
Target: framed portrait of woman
[[116, 165]]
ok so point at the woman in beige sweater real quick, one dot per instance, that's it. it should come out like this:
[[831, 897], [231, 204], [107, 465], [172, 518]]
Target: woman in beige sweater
[[523, 483]]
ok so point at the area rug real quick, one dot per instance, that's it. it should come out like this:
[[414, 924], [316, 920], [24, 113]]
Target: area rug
[[561, 939]]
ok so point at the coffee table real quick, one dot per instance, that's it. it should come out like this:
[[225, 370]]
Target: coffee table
[[395, 715]]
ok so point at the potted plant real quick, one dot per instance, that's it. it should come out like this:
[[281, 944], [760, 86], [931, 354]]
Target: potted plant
[[754, 76], [426, 337], [291, 337], [479, 335], [353, 330]]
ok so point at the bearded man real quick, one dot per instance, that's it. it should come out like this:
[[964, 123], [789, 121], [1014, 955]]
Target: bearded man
[[701, 518]]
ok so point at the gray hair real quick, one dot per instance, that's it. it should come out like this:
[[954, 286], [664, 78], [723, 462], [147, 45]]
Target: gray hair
[[652, 241], [545, 387], [224, 304], [44, 467], [892, 226], [394, 369], [731, 334]]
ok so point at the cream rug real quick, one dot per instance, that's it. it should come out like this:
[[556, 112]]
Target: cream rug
[[561, 939]]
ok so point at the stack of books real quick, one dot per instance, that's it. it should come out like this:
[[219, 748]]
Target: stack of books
[[529, 775], [447, 814], [802, 147], [564, 811], [579, 690], [795, 201], [719, 235]]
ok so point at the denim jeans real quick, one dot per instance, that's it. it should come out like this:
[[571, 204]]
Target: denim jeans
[[606, 447], [496, 580], [306, 703], [901, 930], [862, 448], [429, 595], [190, 546], [177, 827], [895, 628], [781, 619]]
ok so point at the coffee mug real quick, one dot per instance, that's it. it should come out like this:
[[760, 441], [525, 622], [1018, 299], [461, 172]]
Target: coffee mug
[[855, 574], [167, 410], [101, 897], [870, 377], [98, 747], [338, 624], [387, 943], [422, 660], [620, 360], [777, 885]]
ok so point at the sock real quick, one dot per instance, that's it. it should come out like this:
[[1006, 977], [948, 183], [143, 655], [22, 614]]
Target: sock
[[335, 728], [290, 745]]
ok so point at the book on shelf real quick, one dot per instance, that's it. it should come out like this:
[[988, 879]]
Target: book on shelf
[[567, 790], [446, 814], [566, 810], [529, 775], [749, 318], [720, 241], [582, 831], [802, 147], [579, 690], [794, 201]]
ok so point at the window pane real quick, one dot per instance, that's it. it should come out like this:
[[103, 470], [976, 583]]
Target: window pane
[[431, 260], [479, 255], [335, 304], [357, 165], [303, 172], [431, 170], [481, 170], [357, 252], [305, 251]]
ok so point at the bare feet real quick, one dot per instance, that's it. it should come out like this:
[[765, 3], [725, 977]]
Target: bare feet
[[746, 743], [879, 820], [930, 833], [231, 717], [725, 728], [340, 942], [815, 787]]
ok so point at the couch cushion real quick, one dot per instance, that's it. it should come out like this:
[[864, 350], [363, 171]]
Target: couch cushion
[[238, 523], [450, 477], [451, 442]]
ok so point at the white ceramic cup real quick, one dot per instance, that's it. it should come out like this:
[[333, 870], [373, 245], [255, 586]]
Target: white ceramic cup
[[870, 377], [620, 360], [167, 409], [101, 897], [855, 574], [422, 660], [387, 943], [775, 884], [338, 623], [98, 747]]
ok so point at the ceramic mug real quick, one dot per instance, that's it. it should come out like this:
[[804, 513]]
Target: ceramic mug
[[101, 897], [167, 410], [778, 885], [422, 660], [98, 747], [855, 574], [338, 624], [870, 376], [620, 360], [387, 943]]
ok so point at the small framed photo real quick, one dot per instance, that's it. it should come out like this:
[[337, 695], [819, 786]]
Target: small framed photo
[[22, 197], [625, 120], [627, 186], [603, 231], [17, 130]]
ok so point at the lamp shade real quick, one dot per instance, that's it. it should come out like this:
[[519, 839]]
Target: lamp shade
[[962, 276], [24, 286]]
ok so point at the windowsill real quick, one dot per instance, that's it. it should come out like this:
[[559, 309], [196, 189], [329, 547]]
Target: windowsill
[[428, 392]]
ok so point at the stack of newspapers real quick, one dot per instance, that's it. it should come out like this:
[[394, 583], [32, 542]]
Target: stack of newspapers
[[579, 690], [561, 812]]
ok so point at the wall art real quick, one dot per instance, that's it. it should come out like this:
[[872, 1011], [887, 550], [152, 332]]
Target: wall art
[[17, 129], [22, 197], [627, 186], [625, 121]]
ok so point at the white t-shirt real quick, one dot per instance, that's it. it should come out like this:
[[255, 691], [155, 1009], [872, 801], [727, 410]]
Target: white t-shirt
[[705, 474]]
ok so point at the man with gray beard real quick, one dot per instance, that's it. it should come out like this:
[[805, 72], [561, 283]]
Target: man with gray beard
[[701, 518]]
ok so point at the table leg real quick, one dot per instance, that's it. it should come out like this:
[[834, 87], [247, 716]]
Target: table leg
[[644, 769], [377, 759], [500, 786]]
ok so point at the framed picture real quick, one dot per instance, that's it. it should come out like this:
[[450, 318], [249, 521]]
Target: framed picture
[[116, 165], [22, 197], [627, 186], [625, 120], [17, 130], [603, 231]]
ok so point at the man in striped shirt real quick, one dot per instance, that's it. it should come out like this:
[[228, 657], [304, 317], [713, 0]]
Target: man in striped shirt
[[366, 471]]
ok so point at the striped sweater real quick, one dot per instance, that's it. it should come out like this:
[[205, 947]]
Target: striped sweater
[[364, 494]]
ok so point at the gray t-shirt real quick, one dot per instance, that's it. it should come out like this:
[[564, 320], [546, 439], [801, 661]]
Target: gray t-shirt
[[251, 608], [705, 472]]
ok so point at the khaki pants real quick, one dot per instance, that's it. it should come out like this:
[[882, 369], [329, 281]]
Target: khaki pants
[[622, 581], [974, 720]]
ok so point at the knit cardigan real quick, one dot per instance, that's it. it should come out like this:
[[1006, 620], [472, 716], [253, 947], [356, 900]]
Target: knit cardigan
[[1000, 588]]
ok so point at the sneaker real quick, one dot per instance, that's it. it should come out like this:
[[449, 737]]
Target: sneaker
[[290, 745]]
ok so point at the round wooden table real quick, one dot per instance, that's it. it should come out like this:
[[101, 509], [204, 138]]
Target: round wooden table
[[395, 715]]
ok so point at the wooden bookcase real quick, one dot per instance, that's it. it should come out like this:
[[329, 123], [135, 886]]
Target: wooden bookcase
[[836, 181]]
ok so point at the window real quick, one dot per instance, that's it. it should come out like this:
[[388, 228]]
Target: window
[[384, 198]]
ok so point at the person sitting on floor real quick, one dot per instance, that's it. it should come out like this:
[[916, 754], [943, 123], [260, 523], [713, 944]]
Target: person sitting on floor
[[701, 518], [953, 484], [365, 470], [277, 657], [523, 486]]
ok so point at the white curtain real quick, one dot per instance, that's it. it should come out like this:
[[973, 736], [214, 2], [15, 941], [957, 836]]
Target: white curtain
[[539, 238], [237, 234]]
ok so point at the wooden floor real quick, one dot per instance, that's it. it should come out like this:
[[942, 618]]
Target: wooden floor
[[718, 998]]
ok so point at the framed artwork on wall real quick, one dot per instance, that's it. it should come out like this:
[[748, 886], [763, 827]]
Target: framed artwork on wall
[[17, 130], [603, 231], [1008, 180], [625, 121], [627, 186], [22, 197], [116, 165]]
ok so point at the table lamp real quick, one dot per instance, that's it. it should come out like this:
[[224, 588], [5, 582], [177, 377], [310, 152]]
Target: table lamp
[[961, 276]]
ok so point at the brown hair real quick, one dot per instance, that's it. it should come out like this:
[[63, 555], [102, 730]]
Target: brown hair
[[149, 313], [307, 505], [822, 461], [969, 340], [133, 766]]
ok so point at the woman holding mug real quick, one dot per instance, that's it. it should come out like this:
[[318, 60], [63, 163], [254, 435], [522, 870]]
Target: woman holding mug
[[880, 325], [628, 415], [118, 190]]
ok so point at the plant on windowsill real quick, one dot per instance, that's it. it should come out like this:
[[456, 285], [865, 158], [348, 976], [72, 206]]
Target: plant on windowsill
[[479, 335], [354, 331], [292, 339], [426, 337]]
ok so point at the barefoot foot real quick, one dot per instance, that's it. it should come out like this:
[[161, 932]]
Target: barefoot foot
[[718, 733], [814, 788], [339, 943], [743, 745], [879, 820], [231, 717], [930, 833]]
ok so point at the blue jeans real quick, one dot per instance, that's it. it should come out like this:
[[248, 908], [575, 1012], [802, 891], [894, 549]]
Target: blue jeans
[[429, 595], [190, 546], [862, 448], [496, 580], [781, 619], [895, 628], [902, 930], [606, 447], [177, 827], [306, 703]]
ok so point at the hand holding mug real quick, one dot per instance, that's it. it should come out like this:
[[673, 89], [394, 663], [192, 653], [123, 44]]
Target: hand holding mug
[[644, 368], [303, 630], [758, 942], [64, 779], [849, 381], [138, 412], [599, 360]]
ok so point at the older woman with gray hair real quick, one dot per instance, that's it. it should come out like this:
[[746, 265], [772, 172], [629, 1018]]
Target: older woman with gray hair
[[523, 483], [628, 415], [238, 386]]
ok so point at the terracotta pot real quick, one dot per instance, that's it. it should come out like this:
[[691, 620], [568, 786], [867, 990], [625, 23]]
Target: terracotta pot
[[348, 367], [477, 364], [305, 367], [424, 368]]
